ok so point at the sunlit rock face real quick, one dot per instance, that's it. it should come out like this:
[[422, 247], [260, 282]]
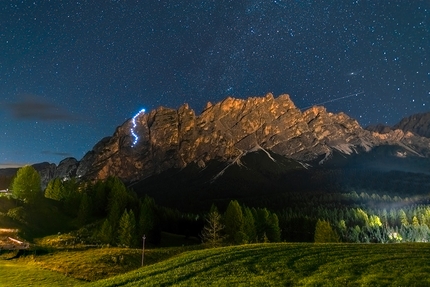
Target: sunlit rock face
[[165, 138]]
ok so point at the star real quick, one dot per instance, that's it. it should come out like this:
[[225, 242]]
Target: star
[[92, 64]]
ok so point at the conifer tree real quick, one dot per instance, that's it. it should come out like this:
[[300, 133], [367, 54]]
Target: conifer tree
[[146, 216], [149, 222], [325, 233], [55, 190], [106, 235], [84, 209], [261, 223], [100, 198], [233, 220], [403, 218], [211, 233], [249, 225], [127, 229], [273, 231], [117, 201]]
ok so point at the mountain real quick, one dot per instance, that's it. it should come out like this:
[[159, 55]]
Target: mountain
[[228, 132], [419, 124], [66, 169], [170, 138]]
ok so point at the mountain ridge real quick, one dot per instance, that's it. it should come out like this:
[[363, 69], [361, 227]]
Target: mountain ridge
[[165, 138]]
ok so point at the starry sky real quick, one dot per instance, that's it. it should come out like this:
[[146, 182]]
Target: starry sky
[[72, 71]]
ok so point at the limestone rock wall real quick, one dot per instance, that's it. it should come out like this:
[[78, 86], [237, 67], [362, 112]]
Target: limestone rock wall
[[174, 138]]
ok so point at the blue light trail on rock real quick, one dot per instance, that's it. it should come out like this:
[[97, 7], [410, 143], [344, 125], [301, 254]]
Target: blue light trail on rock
[[136, 138]]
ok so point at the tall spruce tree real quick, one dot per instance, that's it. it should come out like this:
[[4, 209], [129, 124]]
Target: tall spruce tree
[[149, 222], [273, 231], [249, 225], [105, 234], [117, 201], [261, 223], [233, 220], [84, 211], [127, 229]]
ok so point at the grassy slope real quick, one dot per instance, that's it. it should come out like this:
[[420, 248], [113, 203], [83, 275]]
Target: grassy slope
[[280, 264], [288, 265], [17, 274], [98, 263]]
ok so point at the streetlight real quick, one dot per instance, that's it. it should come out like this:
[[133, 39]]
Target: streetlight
[[143, 247]]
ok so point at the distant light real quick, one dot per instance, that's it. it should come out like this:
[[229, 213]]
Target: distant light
[[136, 138]]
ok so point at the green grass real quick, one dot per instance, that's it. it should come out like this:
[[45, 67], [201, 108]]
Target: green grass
[[90, 264], [280, 264], [17, 274], [288, 265], [97, 263]]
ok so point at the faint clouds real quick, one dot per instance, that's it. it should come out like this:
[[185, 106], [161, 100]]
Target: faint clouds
[[31, 107], [11, 165], [62, 154]]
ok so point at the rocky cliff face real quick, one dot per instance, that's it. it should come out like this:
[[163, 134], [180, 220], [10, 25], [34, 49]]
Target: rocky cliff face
[[174, 138], [419, 124]]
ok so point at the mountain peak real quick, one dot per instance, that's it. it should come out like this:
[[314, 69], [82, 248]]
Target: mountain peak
[[168, 138], [418, 124]]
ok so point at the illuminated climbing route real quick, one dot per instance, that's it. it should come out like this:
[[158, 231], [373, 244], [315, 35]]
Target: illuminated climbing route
[[136, 138]]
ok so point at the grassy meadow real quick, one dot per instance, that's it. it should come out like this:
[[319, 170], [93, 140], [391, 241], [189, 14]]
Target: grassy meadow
[[22, 274], [288, 265], [280, 264]]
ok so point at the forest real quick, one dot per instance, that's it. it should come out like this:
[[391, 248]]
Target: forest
[[107, 212]]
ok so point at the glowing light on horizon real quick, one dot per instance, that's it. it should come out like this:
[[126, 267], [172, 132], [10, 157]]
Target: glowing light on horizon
[[136, 138]]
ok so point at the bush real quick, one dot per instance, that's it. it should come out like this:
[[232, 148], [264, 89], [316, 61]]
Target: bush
[[18, 214]]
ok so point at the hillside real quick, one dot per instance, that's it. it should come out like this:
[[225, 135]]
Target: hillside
[[288, 265], [254, 265]]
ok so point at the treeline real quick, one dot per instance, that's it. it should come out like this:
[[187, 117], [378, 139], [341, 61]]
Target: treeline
[[120, 217], [398, 183], [5, 181], [240, 225], [125, 217], [404, 224]]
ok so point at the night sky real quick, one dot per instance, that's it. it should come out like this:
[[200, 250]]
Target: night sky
[[72, 71]]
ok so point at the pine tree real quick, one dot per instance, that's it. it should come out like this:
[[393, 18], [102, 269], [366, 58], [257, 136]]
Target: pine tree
[[273, 231], [105, 234], [127, 229], [415, 221], [261, 223], [84, 209], [146, 217], [55, 190], [233, 220], [403, 218], [211, 233], [325, 233], [249, 225], [100, 198], [26, 185], [133, 233], [117, 200]]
